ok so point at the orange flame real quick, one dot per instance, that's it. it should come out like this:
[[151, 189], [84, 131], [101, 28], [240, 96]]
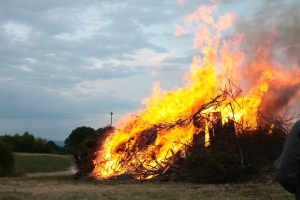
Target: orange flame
[[222, 60]]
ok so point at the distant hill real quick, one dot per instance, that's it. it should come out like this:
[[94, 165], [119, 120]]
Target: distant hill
[[59, 143]]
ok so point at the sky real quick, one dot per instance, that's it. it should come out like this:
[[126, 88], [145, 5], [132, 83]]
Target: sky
[[67, 64]]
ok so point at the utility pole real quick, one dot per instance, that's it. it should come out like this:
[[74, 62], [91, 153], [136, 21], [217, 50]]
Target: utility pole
[[111, 114]]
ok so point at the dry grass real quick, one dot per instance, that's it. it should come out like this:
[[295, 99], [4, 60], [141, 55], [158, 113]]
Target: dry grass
[[63, 187]]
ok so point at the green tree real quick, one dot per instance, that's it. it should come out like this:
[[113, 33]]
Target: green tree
[[41, 146], [27, 142], [8, 140], [77, 136], [53, 145], [7, 160], [16, 143]]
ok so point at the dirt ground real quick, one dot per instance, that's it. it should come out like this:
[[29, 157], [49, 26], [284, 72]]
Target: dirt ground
[[39, 174]]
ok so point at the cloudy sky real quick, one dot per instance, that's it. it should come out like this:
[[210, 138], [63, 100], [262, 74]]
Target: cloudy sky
[[66, 64]]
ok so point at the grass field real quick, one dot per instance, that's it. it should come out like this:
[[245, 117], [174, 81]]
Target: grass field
[[64, 187], [41, 162]]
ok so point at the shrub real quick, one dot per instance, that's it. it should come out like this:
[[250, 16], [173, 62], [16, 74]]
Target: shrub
[[234, 159], [7, 160]]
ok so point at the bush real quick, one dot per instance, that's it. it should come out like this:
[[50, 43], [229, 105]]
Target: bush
[[234, 159], [7, 160], [212, 165]]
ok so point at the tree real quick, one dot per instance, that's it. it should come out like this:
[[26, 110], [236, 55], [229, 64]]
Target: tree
[[55, 147], [76, 137], [8, 140], [27, 142], [16, 143], [41, 146], [7, 160], [85, 153], [79, 135]]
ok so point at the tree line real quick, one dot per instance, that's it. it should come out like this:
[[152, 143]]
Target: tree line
[[27, 143]]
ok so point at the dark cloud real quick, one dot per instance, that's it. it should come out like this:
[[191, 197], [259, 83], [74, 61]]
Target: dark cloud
[[39, 20]]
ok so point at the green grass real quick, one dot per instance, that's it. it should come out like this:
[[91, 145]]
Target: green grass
[[31, 163], [64, 187]]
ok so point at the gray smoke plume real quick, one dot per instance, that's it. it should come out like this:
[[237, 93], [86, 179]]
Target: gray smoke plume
[[274, 28]]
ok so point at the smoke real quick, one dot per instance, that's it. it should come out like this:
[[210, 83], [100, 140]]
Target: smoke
[[73, 169], [286, 21], [271, 41], [277, 100], [278, 24]]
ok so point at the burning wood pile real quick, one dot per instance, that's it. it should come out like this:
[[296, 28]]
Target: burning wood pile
[[217, 151], [201, 132]]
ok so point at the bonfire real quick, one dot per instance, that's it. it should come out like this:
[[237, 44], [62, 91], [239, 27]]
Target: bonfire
[[228, 95]]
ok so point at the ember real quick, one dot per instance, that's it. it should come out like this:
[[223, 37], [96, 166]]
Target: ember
[[210, 108]]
